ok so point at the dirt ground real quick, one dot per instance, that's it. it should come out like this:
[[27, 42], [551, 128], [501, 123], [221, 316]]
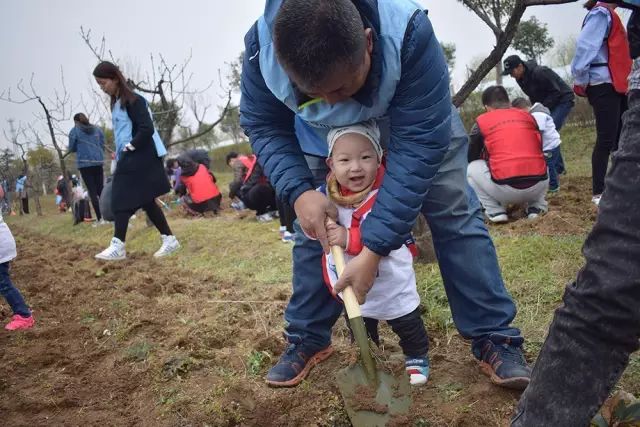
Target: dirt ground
[[141, 343]]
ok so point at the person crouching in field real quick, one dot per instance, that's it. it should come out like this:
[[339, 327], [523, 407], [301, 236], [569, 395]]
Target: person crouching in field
[[22, 317], [550, 138], [198, 187], [355, 160], [506, 163]]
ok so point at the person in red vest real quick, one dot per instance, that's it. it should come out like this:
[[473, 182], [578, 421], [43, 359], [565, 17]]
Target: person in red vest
[[251, 186], [600, 70], [202, 193], [506, 161]]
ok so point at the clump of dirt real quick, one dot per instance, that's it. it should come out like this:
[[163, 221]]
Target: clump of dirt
[[364, 399]]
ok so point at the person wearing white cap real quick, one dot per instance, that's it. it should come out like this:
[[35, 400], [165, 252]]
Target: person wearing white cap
[[355, 160]]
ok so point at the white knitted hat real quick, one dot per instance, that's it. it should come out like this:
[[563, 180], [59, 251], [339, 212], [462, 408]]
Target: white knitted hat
[[368, 129]]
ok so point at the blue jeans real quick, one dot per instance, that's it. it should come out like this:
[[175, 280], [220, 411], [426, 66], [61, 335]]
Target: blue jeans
[[552, 158], [559, 115], [480, 304], [11, 294]]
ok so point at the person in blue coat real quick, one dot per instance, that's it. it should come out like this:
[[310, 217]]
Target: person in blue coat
[[312, 66], [87, 141]]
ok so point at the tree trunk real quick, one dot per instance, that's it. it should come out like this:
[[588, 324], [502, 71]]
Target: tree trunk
[[499, 73], [63, 166], [503, 42], [424, 241]]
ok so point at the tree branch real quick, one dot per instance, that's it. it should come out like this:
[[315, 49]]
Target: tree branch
[[475, 8], [209, 128]]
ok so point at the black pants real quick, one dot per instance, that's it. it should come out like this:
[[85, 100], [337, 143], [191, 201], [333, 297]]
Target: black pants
[[597, 328], [260, 198], [608, 106], [409, 328], [154, 214], [211, 205], [93, 178], [287, 215]]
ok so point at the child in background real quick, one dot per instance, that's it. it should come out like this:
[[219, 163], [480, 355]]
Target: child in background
[[550, 138], [355, 160], [22, 318]]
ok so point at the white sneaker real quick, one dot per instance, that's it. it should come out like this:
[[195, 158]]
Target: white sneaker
[[266, 217], [498, 218], [169, 245], [115, 251], [596, 199]]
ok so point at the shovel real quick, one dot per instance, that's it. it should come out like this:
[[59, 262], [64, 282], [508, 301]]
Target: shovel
[[372, 397]]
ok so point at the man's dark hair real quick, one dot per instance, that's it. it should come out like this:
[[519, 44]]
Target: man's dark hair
[[231, 155], [521, 103], [495, 97], [312, 38]]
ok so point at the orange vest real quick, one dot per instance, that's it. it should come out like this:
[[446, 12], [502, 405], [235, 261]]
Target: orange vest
[[619, 56], [513, 146], [249, 162], [200, 185]]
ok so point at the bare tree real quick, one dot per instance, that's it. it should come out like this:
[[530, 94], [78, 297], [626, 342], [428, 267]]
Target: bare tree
[[504, 37], [169, 86], [54, 111], [16, 135]]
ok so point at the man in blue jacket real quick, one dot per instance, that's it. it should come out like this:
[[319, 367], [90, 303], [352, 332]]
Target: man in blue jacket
[[310, 66]]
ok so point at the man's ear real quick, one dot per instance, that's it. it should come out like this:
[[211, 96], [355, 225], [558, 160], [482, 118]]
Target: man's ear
[[369, 35], [329, 162]]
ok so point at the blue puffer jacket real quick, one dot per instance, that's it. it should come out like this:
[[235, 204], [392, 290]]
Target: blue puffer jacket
[[87, 141], [418, 115]]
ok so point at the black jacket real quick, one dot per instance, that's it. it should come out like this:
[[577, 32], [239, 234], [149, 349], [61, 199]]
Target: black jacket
[[139, 177], [633, 32], [543, 85]]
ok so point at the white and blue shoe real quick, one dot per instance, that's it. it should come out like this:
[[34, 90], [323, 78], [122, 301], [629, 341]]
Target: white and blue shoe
[[418, 370]]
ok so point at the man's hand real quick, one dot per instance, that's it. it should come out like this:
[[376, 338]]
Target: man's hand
[[359, 273], [312, 209], [337, 235]]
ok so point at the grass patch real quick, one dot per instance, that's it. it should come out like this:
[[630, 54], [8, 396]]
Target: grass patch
[[138, 352]]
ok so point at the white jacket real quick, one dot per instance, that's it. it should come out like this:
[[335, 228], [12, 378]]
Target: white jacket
[[547, 127], [394, 292], [7, 243]]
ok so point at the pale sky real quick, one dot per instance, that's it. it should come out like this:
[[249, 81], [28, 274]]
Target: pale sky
[[40, 36]]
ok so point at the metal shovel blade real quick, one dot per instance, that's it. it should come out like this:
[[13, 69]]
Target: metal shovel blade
[[369, 406]]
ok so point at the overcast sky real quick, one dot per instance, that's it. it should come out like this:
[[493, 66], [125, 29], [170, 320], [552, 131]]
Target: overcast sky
[[40, 36]]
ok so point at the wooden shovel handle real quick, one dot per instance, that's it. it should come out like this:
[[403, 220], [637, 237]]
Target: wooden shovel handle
[[348, 296]]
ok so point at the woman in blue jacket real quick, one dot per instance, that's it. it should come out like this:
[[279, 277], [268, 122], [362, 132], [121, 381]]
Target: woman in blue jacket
[[87, 141], [139, 176]]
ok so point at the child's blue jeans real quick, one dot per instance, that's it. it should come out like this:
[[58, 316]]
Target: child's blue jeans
[[11, 294], [553, 157]]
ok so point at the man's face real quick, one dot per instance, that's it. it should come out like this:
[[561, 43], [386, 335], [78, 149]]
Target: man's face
[[518, 72], [344, 81]]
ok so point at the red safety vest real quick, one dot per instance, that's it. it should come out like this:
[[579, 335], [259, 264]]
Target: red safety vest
[[618, 51], [200, 185], [513, 146], [249, 162]]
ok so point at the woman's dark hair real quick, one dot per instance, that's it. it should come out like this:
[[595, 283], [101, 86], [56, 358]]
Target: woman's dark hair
[[108, 70], [81, 118], [187, 164], [590, 4]]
